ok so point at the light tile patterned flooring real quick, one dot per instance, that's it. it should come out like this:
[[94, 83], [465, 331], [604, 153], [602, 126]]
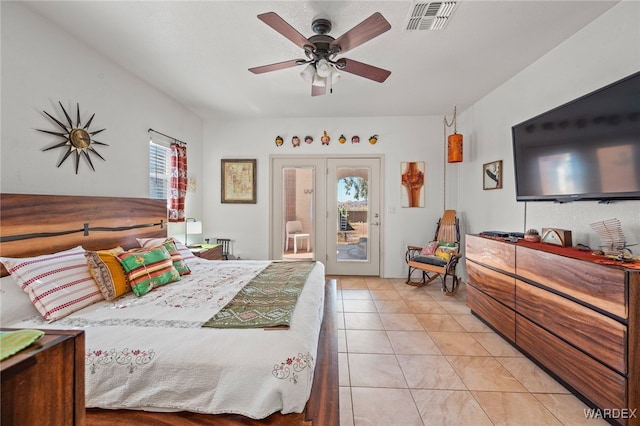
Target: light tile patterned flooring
[[413, 356]]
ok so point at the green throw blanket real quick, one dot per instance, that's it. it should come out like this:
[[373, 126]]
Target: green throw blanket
[[12, 342], [268, 300]]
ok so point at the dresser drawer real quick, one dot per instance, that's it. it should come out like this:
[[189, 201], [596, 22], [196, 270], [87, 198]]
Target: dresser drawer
[[598, 335], [594, 284], [495, 284], [492, 253], [601, 385], [495, 313]]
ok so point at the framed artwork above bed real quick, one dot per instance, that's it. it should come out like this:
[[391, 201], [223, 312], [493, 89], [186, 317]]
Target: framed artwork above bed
[[238, 181]]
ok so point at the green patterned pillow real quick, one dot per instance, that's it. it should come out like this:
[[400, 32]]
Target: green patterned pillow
[[176, 257], [147, 269]]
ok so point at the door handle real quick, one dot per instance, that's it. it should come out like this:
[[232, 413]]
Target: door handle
[[375, 223]]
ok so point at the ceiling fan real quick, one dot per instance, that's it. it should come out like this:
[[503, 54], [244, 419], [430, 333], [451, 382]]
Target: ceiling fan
[[321, 50]]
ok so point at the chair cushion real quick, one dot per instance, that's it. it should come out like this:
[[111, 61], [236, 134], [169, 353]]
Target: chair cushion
[[429, 249], [446, 250], [430, 260]]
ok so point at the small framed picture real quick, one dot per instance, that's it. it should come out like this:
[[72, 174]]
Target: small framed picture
[[492, 175], [239, 181]]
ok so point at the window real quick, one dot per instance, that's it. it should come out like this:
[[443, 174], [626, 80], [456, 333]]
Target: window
[[159, 167]]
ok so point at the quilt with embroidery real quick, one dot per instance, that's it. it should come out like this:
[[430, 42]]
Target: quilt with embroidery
[[152, 353]]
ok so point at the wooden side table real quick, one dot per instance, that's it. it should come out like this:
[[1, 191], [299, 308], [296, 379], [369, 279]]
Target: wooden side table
[[213, 253], [44, 383]]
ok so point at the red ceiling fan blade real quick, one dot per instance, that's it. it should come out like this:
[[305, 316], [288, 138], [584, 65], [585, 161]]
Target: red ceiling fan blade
[[364, 70], [274, 20], [371, 27], [278, 66], [318, 90]]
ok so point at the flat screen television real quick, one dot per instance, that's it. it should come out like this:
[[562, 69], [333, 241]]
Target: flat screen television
[[586, 149]]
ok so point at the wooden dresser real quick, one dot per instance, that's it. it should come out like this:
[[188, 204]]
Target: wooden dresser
[[44, 383], [578, 319]]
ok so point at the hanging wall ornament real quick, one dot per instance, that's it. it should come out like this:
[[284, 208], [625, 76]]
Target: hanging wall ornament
[[373, 139], [279, 141], [308, 139], [295, 141], [355, 139], [77, 139], [342, 139], [325, 139]]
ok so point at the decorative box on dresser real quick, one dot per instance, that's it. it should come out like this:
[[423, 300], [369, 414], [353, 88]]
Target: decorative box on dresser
[[44, 383], [577, 318]]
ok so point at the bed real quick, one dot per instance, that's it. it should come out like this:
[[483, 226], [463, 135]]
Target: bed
[[148, 358]]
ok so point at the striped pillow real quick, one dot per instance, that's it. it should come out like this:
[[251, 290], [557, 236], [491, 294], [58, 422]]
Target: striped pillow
[[176, 257], [58, 284], [147, 269], [151, 242]]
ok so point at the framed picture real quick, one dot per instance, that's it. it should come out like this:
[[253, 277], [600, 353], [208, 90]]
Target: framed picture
[[412, 181], [492, 175], [238, 181]]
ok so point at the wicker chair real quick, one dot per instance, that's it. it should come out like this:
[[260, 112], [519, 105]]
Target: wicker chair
[[440, 257]]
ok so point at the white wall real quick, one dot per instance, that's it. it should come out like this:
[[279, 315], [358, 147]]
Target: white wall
[[401, 139], [601, 53], [42, 65]]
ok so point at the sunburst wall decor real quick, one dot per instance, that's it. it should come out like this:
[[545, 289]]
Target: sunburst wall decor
[[77, 139]]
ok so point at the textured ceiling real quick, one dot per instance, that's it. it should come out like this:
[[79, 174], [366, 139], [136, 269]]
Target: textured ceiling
[[198, 52]]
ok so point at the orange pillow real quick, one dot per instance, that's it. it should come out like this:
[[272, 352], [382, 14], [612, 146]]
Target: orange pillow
[[106, 270]]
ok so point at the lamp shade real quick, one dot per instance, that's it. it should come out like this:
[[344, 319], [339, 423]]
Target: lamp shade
[[308, 73], [319, 81], [323, 68], [454, 148], [194, 227]]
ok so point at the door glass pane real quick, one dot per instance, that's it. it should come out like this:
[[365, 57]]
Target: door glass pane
[[297, 211], [353, 214]]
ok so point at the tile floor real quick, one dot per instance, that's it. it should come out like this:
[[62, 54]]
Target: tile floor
[[413, 356]]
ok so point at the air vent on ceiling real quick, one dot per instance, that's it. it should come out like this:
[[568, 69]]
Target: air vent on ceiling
[[429, 15]]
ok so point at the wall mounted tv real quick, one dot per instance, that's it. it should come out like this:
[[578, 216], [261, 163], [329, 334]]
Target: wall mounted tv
[[586, 149]]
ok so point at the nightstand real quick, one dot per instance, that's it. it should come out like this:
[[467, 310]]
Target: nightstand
[[44, 383], [209, 253]]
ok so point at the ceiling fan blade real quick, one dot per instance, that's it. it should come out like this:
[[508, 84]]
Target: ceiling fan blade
[[371, 27], [274, 20], [278, 66], [318, 90], [365, 70]]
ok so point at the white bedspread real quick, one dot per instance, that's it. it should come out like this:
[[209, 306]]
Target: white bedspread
[[151, 353]]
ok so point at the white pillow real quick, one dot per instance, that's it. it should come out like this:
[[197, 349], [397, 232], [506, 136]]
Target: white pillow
[[151, 242], [14, 304], [58, 284]]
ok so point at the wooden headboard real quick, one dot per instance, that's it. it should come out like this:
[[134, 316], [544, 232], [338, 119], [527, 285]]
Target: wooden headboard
[[31, 225]]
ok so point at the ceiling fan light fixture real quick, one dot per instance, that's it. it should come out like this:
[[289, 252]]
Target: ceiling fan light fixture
[[323, 68], [308, 73], [319, 81]]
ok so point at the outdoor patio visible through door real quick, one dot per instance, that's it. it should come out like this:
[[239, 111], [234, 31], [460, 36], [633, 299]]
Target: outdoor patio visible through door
[[327, 209]]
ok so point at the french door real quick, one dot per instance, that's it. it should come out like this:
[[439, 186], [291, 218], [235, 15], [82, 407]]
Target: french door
[[334, 205]]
